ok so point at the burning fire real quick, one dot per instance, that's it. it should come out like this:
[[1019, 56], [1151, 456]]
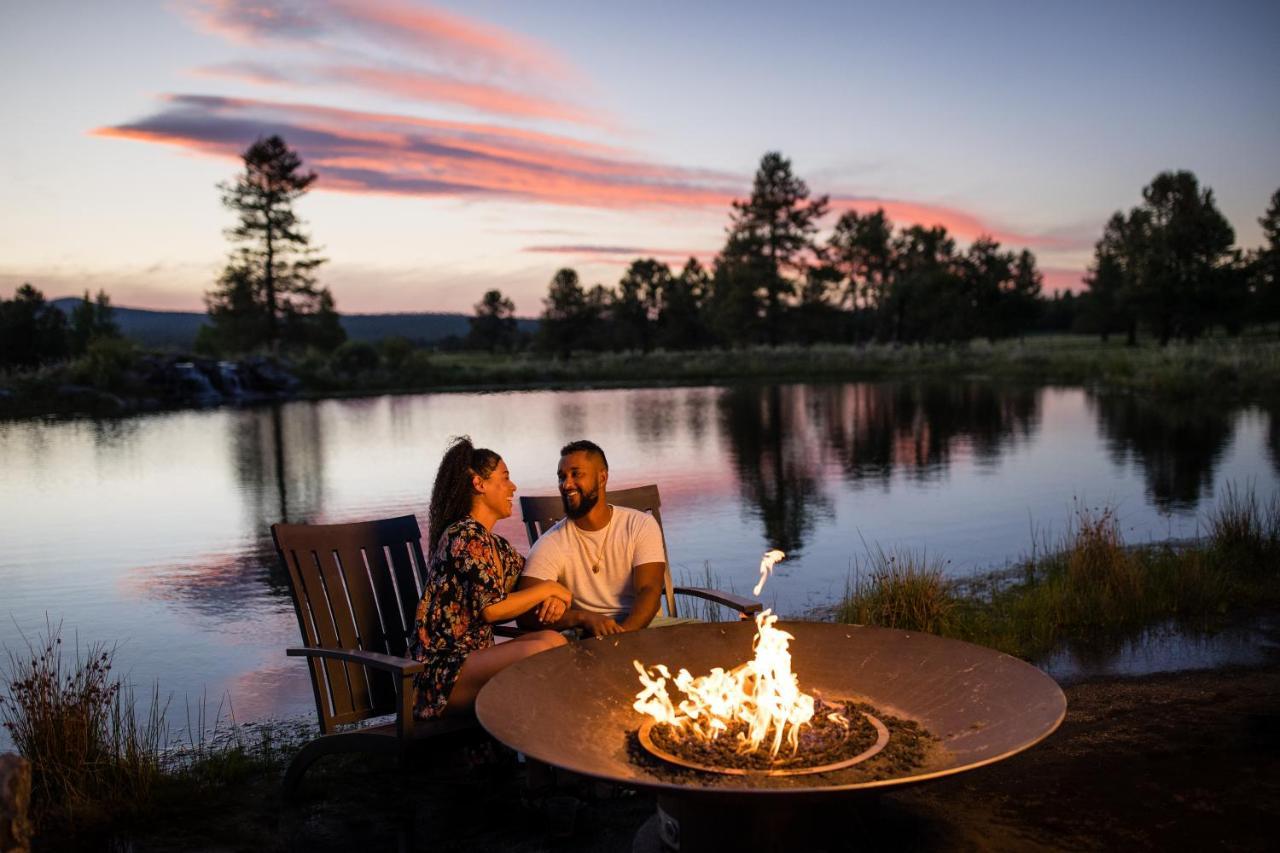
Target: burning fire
[[763, 693]]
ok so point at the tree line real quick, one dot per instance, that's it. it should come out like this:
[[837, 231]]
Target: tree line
[[34, 331], [1169, 267]]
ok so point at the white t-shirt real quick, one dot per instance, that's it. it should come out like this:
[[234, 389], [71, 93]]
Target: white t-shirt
[[567, 553]]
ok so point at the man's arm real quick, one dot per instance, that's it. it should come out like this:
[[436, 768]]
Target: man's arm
[[649, 581]]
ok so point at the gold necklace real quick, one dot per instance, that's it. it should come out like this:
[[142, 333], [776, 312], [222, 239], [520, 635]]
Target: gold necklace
[[587, 544]]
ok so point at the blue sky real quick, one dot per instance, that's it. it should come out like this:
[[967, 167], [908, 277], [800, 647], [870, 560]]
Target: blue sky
[[462, 147]]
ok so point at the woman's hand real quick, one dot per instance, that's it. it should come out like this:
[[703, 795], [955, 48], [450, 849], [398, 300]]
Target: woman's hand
[[555, 604], [551, 609]]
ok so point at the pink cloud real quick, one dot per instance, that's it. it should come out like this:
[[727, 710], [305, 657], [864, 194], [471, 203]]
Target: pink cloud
[[412, 84], [1063, 278], [425, 31], [960, 223], [381, 153], [377, 153], [623, 254]]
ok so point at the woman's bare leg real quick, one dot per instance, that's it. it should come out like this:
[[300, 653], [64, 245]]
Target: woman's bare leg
[[484, 664]]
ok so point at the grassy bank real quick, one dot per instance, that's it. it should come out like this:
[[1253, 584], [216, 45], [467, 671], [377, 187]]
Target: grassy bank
[[1244, 367], [107, 380], [1089, 590]]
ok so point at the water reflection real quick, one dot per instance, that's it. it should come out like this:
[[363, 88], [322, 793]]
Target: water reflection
[[154, 528], [874, 430], [1178, 445], [1273, 432], [776, 460]]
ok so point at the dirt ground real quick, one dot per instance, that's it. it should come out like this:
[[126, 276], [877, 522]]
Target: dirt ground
[[1184, 761]]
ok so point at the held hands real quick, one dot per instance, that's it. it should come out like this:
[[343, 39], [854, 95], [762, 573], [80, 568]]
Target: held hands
[[555, 604]]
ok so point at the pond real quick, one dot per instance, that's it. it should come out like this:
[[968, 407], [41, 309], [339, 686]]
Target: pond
[[151, 532]]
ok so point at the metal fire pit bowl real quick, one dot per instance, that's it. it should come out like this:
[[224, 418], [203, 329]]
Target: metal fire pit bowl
[[571, 708]]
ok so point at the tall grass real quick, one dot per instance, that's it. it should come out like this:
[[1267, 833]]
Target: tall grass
[[1089, 589], [901, 589], [700, 608], [91, 752], [1245, 532]]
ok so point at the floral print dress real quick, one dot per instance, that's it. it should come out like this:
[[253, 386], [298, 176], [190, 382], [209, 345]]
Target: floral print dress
[[469, 569]]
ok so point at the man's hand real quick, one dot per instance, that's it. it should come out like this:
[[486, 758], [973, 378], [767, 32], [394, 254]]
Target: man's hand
[[599, 625]]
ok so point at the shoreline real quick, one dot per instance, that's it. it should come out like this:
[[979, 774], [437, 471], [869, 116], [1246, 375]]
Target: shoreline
[[1240, 370]]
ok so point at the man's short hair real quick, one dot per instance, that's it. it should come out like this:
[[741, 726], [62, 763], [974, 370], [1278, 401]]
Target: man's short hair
[[588, 447]]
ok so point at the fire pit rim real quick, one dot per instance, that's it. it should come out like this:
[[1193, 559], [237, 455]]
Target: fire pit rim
[[489, 711]]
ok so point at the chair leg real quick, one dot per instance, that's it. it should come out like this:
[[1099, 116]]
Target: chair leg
[[306, 756], [332, 744]]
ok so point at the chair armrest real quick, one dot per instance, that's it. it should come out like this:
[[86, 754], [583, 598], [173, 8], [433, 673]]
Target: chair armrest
[[386, 663], [728, 599]]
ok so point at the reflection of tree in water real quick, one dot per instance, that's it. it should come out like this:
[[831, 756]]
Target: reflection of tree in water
[[776, 463], [652, 415], [875, 429], [279, 458], [1178, 444], [696, 404], [572, 417], [278, 453], [1273, 431]]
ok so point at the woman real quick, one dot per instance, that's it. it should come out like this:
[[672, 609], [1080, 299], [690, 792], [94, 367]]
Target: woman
[[470, 574]]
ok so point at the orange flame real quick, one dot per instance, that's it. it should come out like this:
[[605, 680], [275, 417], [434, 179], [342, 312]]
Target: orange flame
[[763, 693]]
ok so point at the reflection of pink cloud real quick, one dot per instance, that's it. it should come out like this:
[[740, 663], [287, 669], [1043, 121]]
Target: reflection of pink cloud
[[427, 32]]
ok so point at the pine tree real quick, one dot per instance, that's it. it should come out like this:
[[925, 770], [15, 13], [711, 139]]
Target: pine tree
[[267, 295], [770, 244]]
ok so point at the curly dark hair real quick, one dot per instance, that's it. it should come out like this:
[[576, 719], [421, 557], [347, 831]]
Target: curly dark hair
[[451, 495]]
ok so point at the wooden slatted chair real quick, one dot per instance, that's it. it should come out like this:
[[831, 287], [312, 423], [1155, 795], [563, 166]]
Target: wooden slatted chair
[[539, 512], [355, 591]]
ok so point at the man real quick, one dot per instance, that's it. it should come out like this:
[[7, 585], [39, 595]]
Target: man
[[610, 557]]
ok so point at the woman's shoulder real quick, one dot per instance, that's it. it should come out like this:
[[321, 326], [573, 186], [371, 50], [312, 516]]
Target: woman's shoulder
[[466, 523], [464, 528]]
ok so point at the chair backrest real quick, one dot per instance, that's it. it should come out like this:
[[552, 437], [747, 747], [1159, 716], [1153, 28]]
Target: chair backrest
[[539, 512], [355, 586]]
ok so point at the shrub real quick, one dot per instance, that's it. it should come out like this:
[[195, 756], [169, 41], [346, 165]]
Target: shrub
[[354, 357]]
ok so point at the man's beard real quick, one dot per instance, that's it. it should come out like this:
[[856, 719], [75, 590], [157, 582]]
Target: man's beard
[[586, 503]]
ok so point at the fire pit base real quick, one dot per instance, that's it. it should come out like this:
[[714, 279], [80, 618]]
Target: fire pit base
[[701, 823]]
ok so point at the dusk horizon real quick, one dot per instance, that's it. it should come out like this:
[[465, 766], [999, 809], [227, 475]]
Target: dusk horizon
[[459, 152]]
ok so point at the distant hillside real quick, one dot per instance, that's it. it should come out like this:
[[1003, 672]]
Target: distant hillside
[[177, 329]]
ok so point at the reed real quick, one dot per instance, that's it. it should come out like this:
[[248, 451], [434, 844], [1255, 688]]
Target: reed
[[1088, 588], [92, 754], [901, 589], [1244, 531]]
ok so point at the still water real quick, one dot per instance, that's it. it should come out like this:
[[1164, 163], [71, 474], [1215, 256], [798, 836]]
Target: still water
[[151, 532]]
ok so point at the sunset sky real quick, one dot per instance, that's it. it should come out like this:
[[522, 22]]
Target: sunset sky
[[467, 146]]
